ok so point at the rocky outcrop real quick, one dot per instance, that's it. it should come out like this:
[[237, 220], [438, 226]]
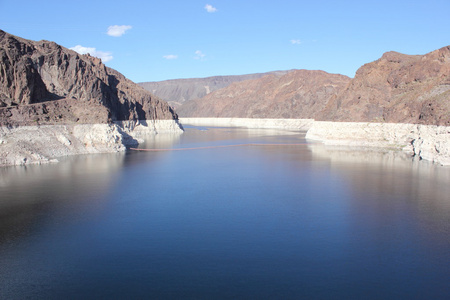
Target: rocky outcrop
[[23, 145], [55, 102], [178, 91], [429, 142], [297, 94], [44, 83], [42, 144], [397, 88]]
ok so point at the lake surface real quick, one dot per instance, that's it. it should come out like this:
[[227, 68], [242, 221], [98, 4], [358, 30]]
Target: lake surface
[[243, 222]]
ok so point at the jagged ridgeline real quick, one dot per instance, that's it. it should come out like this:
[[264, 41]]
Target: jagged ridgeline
[[397, 88], [178, 91], [45, 83]]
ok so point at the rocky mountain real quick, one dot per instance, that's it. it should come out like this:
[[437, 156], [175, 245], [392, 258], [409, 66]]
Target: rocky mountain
[[177, 91], [45, 83], [297, 94], [397, 88]]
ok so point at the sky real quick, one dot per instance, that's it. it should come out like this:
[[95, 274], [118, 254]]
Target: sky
[[160, 40]]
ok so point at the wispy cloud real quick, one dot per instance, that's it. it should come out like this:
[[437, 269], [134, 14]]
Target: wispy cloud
[[170, 56], [104, 56], [117, 30], [199, 55], [296, 42], [209, 8]]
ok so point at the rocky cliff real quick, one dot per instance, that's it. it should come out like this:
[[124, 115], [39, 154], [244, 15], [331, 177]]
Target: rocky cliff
[[55, 102], [177, 91], [397, 88], [297, 94], [44, 83]]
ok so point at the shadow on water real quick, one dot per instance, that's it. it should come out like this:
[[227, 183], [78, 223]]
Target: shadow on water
[[31, 192]]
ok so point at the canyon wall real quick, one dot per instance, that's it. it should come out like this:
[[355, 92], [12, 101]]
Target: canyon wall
[[178, 91], [55, 102], [398, 101], [397, 88], [43, 83], [429, 142], [298, 94]]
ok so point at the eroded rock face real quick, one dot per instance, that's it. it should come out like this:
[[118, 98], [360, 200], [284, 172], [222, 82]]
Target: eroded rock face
[[297, 94], [397, 88], [427, 142], [44, 83], [178, 91], [25, 145]]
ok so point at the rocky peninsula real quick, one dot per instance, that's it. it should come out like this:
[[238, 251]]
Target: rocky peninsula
[[55, 102]]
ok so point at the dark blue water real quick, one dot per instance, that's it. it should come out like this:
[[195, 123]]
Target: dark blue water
[[249, 222]]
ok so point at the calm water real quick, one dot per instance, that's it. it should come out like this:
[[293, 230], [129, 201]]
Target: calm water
[[249, 222]]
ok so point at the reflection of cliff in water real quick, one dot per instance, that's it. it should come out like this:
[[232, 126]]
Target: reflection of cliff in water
[[31, 192], [375, 176], [361, 155], [161, 141], [380, 159]]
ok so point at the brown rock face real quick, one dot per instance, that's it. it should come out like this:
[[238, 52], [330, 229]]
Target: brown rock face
[[177, 91], [297, 94], [44, 83], [397, 88]]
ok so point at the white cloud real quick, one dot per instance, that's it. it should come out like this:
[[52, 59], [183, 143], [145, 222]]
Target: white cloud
[[199, 54], [209, 8], [170, 56], [296, 42], [104, 56], [117, 30]]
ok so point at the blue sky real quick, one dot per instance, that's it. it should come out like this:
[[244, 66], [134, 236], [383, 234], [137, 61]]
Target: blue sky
[[159, 40]]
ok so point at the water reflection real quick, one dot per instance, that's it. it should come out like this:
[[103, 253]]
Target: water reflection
[[228, 136], [161, 141], [387, 184], [284, 221], [75, 183], [397, 167]]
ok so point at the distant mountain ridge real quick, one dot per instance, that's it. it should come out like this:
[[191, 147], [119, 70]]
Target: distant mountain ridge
[[397, 88], [297, 94], [178, 91]]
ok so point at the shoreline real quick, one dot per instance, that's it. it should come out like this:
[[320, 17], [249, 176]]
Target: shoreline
[[428, 142], [297, 124], [24, 145]]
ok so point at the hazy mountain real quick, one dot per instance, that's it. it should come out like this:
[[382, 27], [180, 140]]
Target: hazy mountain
[[177, 91], [297, 94]]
